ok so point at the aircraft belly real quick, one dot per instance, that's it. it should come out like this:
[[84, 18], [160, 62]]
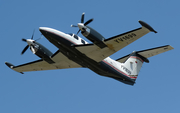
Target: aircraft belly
[[113, 72]]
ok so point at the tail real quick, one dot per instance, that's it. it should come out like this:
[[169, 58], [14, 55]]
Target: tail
[[133, 65]]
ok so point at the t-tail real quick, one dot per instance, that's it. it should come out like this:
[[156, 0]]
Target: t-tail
[[132, 63]]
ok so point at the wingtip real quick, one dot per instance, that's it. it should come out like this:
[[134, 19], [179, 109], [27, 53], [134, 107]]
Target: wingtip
[[170, 47], [9, 65], [144, 24]]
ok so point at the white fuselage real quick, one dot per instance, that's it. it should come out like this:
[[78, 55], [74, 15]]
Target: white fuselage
[[76, 40], [107, 67]]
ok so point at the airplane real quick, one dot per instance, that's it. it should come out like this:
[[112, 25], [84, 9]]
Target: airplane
[[75, 52]]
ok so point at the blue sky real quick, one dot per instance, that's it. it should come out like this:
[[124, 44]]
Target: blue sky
[[81, 90]]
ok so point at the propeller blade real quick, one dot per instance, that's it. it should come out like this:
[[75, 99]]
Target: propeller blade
[[39, 38], [74, 26], [82, 18], [78, 31], [24, 49], [89, 21], [24, 40], [33, 34], [82, 21]]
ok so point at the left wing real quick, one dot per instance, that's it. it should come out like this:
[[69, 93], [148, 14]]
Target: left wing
[[61, 62], [115, 43]]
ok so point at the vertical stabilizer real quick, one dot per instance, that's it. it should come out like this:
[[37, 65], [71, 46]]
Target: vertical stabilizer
[[133, 64]]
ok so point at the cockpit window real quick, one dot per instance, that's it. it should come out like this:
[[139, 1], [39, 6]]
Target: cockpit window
[[76, 37], [83, 41]]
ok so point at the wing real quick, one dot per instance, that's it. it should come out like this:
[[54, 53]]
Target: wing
[[61, 62], [148, 52], [114, 43]]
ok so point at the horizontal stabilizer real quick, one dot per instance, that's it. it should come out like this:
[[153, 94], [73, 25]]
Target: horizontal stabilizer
[[148, 52]]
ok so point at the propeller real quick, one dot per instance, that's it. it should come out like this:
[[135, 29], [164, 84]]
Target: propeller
[[26, 40], [24, 49], [82, 21]]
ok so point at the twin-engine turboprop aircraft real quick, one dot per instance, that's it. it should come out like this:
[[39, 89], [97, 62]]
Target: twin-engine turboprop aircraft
[[74, 52]]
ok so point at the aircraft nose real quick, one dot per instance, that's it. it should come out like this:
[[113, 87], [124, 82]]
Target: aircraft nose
[[42, 29]]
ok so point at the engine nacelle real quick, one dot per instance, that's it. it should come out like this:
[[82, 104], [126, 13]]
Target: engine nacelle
[[94, 36], [42, 52]]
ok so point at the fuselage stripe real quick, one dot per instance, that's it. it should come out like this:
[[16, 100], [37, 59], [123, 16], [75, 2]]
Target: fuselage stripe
[[119, 70]]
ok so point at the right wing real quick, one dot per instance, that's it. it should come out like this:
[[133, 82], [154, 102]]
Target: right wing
[[61, 62], [148, 52], [114, 43]]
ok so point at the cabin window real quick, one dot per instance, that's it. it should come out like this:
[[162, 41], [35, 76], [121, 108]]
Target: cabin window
[[83, 41], [76, 37], [131, 65]]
